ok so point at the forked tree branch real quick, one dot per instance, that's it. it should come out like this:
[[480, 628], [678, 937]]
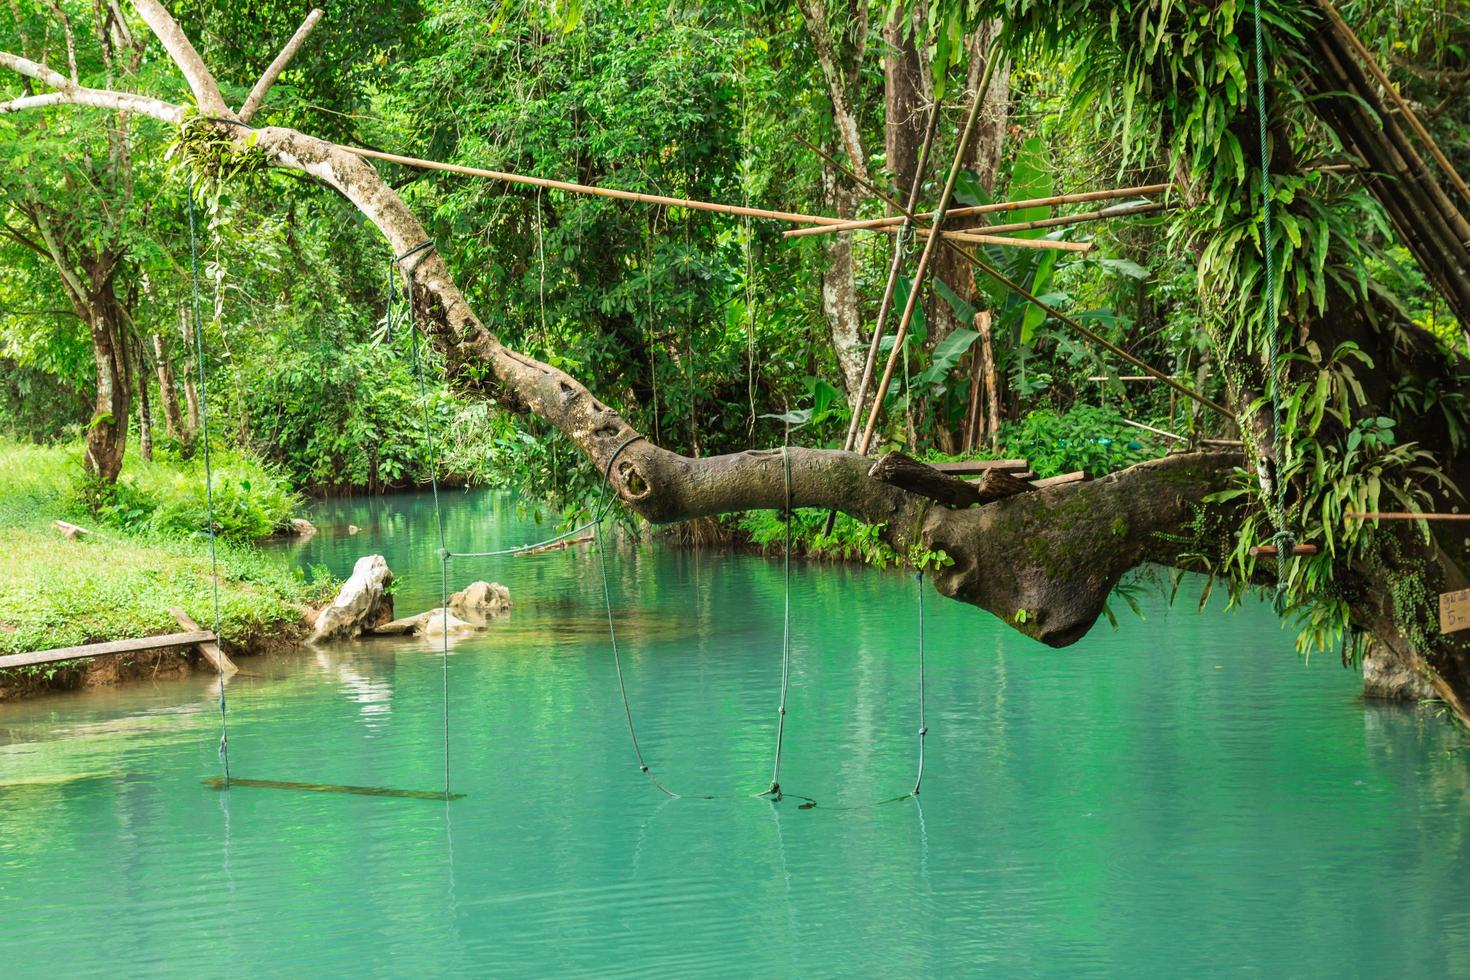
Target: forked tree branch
[[206, 91], [273, 72], [1075, 529]]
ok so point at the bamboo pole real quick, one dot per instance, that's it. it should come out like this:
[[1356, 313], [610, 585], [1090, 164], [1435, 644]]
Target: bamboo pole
[[1052, 311], [970, 238], [563, 185], [1074, 219], [921, 164], [1142, 190], [916, 287], [1398, 100], [1402, 515]]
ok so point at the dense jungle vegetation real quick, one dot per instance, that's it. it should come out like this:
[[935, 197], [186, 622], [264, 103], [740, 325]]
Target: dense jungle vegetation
[[712, 334]]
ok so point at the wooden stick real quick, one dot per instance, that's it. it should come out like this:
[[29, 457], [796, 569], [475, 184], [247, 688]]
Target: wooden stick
[[257, 94], [1402, 515], [1398, 100], [209, 648], [562, 185], [1157, 432], [1142, 190], [921, 164], [916, 287], [1270, 550], [970, 238]]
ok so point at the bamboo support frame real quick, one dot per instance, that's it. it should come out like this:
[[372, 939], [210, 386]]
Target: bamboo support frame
[[610, 192], [1410, 116], [921, 164], [1142, 190], [916, 289]]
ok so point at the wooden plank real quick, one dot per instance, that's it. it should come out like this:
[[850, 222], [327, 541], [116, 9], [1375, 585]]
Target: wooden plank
[[210, 649], [164, 642], [69, 529], [979, 467], [1454, 611], [1080, 476]]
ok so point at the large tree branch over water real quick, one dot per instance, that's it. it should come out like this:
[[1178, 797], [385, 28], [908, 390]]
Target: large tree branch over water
[[1043, 562], [1010, 556]]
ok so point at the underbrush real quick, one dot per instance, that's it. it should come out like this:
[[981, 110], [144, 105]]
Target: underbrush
[[146, 550]]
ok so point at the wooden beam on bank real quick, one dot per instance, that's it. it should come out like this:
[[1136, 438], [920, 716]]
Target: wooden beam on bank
[[210, 648], [87, 651]]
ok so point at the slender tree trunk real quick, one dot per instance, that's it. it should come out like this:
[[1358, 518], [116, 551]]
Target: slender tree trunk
[[168, 393], [145, 405], [107, 432], [191, 371], [840, 298]]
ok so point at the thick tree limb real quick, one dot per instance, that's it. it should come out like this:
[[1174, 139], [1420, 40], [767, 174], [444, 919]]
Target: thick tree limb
[[201, 82], [273, 72], [1054, 553], [69, 93]]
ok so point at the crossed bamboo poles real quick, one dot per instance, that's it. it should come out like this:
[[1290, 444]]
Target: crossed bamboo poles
[[928, 226]]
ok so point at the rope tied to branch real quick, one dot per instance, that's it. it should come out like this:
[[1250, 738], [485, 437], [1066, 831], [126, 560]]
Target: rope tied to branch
[[1283, 538]]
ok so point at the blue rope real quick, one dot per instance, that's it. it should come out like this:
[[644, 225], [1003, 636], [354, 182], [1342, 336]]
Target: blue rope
[[1283, 537], [443, 553], [224, 727]]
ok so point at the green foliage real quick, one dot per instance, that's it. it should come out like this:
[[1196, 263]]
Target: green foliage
[[850, 540], [167, 497], [112, 584], [1085, 437]]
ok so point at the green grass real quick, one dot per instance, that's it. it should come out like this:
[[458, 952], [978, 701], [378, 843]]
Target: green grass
[[118, 582]]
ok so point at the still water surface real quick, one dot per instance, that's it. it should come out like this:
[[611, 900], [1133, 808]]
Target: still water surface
[[1180, 797]]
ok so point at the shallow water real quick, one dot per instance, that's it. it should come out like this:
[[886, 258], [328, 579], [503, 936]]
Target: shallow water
[[1181, 796]]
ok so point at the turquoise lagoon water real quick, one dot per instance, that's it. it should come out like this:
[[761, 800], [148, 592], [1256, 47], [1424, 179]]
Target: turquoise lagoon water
[[1181, 797]]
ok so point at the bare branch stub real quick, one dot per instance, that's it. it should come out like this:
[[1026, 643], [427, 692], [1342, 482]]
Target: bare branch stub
[[273, 71]]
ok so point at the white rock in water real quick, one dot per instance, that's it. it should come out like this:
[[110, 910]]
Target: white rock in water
[[361, 604], [301, 527], [481, 601], [436, 621]]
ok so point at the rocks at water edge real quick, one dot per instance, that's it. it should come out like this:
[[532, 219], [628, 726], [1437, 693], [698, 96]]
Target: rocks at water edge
[[468, 611], [362, 605], [302, 528], [480, 602]]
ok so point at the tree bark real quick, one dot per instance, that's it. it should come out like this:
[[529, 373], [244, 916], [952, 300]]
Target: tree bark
[[145, 407], [168, 393]]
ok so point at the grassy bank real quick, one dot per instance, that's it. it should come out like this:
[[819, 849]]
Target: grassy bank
[[147, 550]]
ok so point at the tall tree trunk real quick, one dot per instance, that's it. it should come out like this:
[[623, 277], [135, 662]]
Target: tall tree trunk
[[191, 371], [841, 302], [168, 393], [145, 406], [840, 298], [107, 432], [908, 91]]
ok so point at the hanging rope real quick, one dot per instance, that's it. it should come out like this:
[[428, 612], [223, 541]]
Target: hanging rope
[[775, 789], [1283, 537], [612, 629], [923, 725], [433, 460], [224, 726]]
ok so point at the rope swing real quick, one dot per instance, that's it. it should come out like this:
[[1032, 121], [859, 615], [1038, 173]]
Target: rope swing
[[1284, 548]]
